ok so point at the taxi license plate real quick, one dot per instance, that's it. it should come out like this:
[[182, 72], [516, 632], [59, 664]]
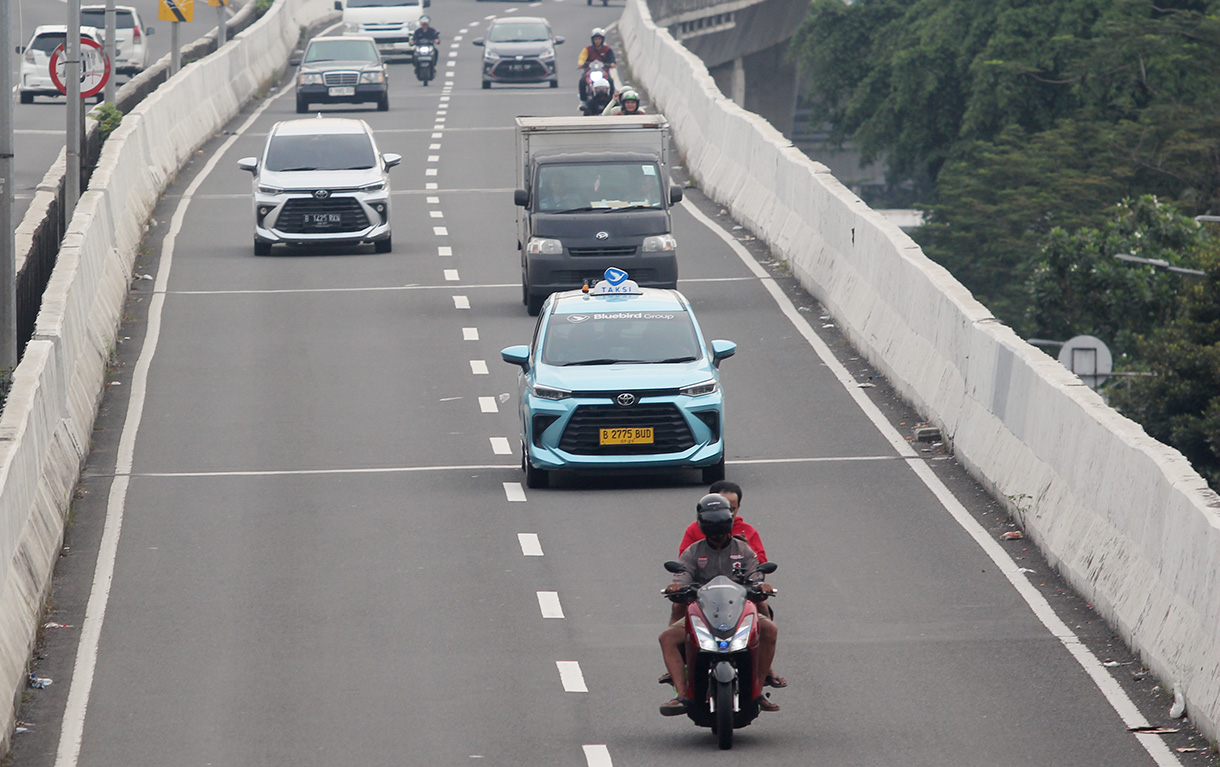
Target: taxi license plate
[[635, 436], [341, 90]]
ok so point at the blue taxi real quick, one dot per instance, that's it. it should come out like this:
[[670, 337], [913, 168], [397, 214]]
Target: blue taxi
[[620, 378]]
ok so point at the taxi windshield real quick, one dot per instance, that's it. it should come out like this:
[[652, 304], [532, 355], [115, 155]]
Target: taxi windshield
[[607, 338], [604, 187]]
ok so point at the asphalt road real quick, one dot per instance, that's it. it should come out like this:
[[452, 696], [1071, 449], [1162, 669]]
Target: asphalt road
[[39, 128], [325, 557]]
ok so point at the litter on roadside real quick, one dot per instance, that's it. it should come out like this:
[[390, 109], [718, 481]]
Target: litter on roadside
[[1012, 535]]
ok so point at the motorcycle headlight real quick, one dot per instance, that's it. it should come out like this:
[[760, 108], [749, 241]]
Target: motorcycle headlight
[[372, 77], [700, 389], [309, 78], [742, 637], [543, 246], [660, 242], [549, 392], [702, 635]]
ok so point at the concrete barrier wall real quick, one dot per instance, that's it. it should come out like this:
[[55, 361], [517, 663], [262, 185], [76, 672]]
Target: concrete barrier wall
[[48, 418], [1125, 518]]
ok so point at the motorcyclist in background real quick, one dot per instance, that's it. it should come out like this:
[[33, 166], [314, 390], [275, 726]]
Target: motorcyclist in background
[[425, 33], [626, 102], [598, 51]]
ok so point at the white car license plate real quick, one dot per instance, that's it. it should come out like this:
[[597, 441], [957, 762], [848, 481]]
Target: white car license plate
[[341, 90], [323, 219]]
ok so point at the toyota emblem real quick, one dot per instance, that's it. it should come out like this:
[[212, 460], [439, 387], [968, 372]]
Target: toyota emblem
[[602, 235], [322, 194], [626, 399]]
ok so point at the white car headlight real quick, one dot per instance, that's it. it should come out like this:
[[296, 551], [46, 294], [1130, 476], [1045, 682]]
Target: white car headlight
[[310, 79], [549, 392], [660, 242], [700, 389], [270, 189], [372, 77], [376, 186], [544, 246]]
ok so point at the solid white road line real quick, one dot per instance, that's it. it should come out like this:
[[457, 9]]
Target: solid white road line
[[596, 755], [514, 492], [1105, 682], [501, 446], [548, 603], [571, 677], [530, 545]]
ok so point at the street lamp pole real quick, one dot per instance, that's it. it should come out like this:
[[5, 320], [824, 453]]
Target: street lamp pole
[[1160, 264], [8, 250]]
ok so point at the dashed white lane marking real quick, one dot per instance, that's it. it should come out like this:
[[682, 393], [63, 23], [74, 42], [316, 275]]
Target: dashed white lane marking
[[500, 446], [434, 201], [596, 755], [478, 367], [444, 250], [434, 158], [429, 187], [440, 231], [449, 74], [548, 603], [451, 63], [434, 147], [514, 492], [530, 545], [571, 677], [488, 18], [462, 31], [488, 405], [511, 10], [461, 302], [470, 334], [451, 275], [436, 214], [436, 135], [430, 172]]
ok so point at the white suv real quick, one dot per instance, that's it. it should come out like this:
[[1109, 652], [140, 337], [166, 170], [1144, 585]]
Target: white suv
[[131, 53], [321, 181], [36, 59]]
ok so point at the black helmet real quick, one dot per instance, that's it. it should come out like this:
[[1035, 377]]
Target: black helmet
[[715, 515]]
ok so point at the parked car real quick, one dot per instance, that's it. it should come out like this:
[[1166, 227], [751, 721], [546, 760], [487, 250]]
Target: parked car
[[321, 181], [342, 70], [36, 59], [519, 50], [131, 52]]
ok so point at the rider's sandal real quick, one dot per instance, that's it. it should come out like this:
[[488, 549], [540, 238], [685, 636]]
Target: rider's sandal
[[776, 681], [666, 678], [675, 707], [766, 705]]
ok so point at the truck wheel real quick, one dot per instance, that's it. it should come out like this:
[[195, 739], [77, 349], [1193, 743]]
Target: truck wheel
[[533, 305]]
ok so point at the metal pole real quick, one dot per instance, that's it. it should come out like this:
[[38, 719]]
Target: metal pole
[[221, 31], [110, 47], [72, 81], [8, 250], [175, 53]]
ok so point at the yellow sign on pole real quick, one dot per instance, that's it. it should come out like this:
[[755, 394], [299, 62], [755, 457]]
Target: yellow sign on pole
[[176, 10], [217, 3]]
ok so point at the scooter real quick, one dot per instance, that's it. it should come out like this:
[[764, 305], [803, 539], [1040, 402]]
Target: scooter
[[598, 89], [425, 62], [722, 651]]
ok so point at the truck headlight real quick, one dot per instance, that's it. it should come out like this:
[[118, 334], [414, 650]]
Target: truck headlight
[[549, 392], [660, 242], [544, 246], [700, 389], [372, 77], [310, 79]]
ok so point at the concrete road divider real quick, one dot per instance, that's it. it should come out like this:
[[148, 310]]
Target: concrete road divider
[[1125, 518]]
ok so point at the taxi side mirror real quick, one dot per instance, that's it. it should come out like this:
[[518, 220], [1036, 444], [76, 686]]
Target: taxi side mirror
[[517, 355], [675, 194], [722, 350], [521, 198]]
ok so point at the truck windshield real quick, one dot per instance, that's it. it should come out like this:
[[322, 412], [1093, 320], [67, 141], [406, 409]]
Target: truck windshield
[[382, 3], [598, 186], [606, 338]]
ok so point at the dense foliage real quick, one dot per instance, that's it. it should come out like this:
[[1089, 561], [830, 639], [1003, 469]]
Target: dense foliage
[[1030, 121]]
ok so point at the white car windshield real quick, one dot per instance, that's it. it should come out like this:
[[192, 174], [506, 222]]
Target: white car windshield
[[344, 151], [97, 18], [524, 32], [340, 50], [612, 337]]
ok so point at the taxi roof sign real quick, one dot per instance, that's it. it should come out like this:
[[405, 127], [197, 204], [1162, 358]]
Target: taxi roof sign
[[615, 284]]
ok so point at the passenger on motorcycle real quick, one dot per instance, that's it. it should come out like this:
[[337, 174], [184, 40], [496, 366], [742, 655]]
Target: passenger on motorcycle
[[626, 102], [425, 33], [719, 553], [598, 51]]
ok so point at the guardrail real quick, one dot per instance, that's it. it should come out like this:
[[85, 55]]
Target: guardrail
[[1124, 518], [48, 418]]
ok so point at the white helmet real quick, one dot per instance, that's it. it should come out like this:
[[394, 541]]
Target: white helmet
[[598, 32]]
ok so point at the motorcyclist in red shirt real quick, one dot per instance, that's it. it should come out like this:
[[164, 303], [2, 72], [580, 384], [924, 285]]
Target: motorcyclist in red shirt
[[598, 51]]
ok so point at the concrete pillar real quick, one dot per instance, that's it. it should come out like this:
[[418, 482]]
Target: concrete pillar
[[738, 89]]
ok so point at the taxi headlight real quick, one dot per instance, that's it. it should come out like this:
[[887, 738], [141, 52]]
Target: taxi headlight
[[310, 78], [700, 389], [549, 392], [706, 640], [372, 77], [742, 637], [660, 242], [544, 246]]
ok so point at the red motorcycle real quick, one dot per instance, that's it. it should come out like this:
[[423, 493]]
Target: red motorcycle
[[722, 651], [596, 88]]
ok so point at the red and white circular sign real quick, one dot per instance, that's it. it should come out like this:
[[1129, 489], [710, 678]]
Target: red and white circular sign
[[94, 68]]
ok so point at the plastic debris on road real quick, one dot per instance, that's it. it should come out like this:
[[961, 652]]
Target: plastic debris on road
[[1178, 709], [40, 682], [1012, 535], [505, 397], [53, 625]]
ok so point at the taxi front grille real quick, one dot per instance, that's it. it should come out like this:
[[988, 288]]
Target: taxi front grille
[[581, 436], [301, 215]]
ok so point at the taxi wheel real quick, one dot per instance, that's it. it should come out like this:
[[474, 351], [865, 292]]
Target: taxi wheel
[[534, 478], [713, 473]]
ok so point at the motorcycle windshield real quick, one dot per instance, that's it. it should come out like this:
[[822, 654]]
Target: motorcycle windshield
[[722, 601]]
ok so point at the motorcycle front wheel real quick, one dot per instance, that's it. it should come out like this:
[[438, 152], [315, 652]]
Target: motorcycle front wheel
[[724, 715]]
